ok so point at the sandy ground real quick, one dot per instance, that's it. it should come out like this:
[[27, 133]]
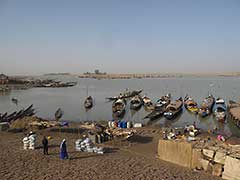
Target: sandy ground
[[125, 160]]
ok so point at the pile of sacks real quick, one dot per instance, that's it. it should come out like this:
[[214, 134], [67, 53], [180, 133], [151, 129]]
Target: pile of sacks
[[29, 141], [32, 141], [86, 145], [25, 143]]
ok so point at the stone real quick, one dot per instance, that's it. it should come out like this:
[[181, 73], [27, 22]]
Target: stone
[[208, 153], [196, 157], [231, 169], [205, 164], [220, 158], [217, 170]]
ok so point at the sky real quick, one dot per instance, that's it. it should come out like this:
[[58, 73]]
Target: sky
[[119, 36]]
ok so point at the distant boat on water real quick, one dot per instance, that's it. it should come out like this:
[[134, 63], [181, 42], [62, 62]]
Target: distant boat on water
[[58, 114], [88, 103]]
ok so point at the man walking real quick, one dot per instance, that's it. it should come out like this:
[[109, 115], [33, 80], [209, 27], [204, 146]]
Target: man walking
[[45, 145]]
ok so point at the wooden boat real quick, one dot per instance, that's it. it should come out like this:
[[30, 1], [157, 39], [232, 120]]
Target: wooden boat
[[206, 107], [190, 104], [29, 111], [173, 109], [118, 108], [125, 95], [58, 114], [220, 110], [15, 101], [163, 102], [136, 103], [148, 104], [159, 108], [88, 103]]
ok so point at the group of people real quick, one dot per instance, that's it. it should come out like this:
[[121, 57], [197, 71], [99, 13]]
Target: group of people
[[63, 148]]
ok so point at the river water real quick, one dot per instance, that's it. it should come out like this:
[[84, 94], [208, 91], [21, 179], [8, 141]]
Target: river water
[[47, 100]]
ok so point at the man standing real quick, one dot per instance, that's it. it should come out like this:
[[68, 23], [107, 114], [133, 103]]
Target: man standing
[[45, 145], [63, 150]]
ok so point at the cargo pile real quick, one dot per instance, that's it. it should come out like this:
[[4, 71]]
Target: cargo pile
[[29, 141], [87, 145]]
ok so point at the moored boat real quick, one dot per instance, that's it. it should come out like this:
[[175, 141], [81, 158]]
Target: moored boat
[[136, 103], [148, 104], [163, 102], [125, 95], [118, 108], [190, 104], [58, 114], [88, 103], [173, 109], [206, 107], [159, 107], [220, 110]]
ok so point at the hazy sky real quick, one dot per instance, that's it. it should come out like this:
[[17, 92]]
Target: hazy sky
[[40, 36]]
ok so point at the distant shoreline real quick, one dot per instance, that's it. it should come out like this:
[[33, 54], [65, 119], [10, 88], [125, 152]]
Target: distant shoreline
[[131, 75], [153, 75]]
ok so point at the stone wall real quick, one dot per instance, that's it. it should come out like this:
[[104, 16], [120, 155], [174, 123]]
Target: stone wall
[[222, 162]]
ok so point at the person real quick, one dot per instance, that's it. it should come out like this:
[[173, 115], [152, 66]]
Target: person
[[63, 150], [45, 145]]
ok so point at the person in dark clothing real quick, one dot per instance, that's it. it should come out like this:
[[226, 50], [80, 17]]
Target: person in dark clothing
[[63, 150], [45, 145]]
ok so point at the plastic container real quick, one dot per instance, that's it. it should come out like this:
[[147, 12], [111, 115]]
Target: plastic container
[[138, 125], [129, 124], [120, 125], [124, 124]]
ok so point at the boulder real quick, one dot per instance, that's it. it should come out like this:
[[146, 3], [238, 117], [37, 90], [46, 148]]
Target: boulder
[[208, 153], [196, 157], [220, 158], [217, 170], [205, 164], [231, 169]]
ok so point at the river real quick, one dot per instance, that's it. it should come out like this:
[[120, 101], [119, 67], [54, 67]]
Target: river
[[47, 100]]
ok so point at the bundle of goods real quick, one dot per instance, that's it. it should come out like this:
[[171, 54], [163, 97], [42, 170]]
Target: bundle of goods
[[25, 143], [32, 141], [86, 145]]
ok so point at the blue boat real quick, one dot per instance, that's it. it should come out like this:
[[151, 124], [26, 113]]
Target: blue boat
[[220, 110]]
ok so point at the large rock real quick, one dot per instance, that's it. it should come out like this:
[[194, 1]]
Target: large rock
[[231, 169], [220, 158], [196, 157], [208, 153], [204, 164], [217, 170]]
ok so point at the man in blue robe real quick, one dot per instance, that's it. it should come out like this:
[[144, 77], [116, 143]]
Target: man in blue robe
[[63, 150]]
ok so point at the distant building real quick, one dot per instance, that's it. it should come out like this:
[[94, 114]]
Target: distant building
[[4, 79]]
